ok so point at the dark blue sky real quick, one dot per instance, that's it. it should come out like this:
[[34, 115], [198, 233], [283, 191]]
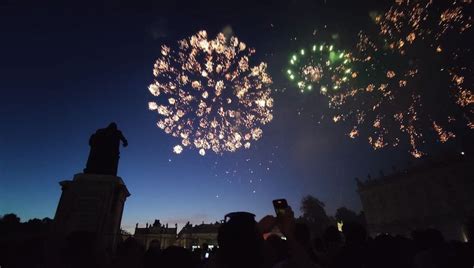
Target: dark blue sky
[[69, 70]]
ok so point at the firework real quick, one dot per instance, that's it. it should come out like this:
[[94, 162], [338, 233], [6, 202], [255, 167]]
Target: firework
[[321, 67], [416, 79], [209, 95]]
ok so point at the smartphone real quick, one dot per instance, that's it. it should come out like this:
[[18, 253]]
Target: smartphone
[[280, 206]]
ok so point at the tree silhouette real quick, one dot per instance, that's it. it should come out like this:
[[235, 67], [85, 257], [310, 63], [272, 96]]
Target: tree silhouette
[[9, 223], [10, 219], [314, 214], [345, 215]]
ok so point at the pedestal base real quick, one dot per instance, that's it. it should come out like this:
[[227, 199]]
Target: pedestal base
[[91, 204]]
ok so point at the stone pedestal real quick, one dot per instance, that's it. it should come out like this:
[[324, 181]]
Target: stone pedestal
[[91, 204]]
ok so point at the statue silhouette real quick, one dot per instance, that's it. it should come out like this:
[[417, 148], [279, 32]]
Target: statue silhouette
[[104, 153]]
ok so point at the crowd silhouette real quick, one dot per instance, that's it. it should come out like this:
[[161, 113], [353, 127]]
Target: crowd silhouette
[[276, 242]]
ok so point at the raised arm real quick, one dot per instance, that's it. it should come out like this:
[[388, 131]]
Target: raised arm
[[123, 139]]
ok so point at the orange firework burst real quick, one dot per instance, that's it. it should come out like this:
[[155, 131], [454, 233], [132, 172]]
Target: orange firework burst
[[209, 95], [418, 79]]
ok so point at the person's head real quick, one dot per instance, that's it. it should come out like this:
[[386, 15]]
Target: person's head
[[112, 126], [240, 242]]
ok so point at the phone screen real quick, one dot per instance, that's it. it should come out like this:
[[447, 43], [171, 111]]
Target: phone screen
[[280, 206]]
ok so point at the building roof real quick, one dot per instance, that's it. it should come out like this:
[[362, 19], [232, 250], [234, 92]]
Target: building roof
[[157, 228], [204, 228], [428, 166]]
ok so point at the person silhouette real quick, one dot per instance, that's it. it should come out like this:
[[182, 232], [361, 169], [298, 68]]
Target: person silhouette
[[104, 153], [240, 242]]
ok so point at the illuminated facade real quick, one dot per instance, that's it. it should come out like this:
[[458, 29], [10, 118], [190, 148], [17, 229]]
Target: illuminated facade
[[189, 237], [194, 236], [438, 194], [166, 235]]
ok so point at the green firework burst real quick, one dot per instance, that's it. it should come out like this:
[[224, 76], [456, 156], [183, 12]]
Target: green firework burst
[[322, 67]]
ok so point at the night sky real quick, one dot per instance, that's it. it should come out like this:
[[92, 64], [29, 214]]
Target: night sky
[[66, 71]]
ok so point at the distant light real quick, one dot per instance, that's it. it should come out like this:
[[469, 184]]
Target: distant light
[[462, 153], [464, 237], [302, 52]]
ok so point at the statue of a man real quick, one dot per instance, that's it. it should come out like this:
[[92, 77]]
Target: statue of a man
[[104, 154]]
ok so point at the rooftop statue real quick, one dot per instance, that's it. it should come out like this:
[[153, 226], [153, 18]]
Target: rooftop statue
[[104, 153]]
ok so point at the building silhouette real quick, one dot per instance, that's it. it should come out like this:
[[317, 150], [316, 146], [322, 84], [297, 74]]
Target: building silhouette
[[438, 194]]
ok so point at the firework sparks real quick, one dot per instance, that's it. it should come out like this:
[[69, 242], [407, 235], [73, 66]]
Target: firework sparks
[[320, 67], [443, 135], [209, 95], [414, 76]]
